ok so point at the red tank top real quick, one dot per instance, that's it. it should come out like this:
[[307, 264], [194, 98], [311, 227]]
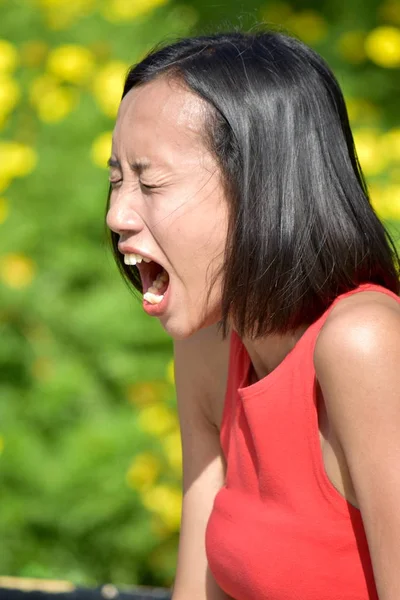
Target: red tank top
[[279, 530]]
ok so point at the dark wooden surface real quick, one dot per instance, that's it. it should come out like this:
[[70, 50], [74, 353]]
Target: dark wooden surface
[[42, 590]]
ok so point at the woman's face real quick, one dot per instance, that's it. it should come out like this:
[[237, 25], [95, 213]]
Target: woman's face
[[167, 203]]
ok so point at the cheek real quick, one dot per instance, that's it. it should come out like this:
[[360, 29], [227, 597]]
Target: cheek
[[193, 235], [200, 259]]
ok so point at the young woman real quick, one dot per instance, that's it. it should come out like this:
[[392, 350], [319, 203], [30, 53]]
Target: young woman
[[238, 208]]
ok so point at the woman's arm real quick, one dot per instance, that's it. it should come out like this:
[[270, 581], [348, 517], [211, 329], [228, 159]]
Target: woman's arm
[[357, 363], [200, 375]]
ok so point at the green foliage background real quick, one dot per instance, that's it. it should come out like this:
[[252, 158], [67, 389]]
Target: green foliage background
[[89, 445]]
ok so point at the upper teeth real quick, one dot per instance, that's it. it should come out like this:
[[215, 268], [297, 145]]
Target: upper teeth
[[132, 259]]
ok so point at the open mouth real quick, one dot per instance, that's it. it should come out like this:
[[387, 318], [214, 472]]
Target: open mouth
[[155, 281]]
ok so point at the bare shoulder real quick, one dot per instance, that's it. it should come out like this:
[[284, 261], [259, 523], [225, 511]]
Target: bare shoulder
[[201, 370], [359, 339], [359, 321]]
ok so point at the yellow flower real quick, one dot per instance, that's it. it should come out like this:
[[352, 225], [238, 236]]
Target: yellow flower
[[392, 197], [9, 96], [56, 105], [101, 149], [165, 502], [3, 210], [143, 471], [376, 193], [382, 46], [71, 63], [171, 372], [369, 151], [16, 159], [172, 447], [8, 56], [33, 53], [144, 393], [60, 14], [16, 270], [108, 86], [157, 419], [391, 144], [351, 46], [41, 86], [361, 110], [386, 200], [127, 10], [310, 26], [52, 101]]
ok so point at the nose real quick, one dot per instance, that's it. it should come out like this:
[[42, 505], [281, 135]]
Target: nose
[[122, 216]]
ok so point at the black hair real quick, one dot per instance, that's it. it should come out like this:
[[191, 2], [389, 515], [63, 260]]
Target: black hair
[[301, 227]]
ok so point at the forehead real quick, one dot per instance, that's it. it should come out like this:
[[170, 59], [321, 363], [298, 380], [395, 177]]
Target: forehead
[[162, 109]]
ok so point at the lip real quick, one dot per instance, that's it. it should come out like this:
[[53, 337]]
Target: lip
[[145, 275], [157, 310]]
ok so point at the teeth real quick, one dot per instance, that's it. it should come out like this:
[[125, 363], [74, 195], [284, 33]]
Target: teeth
[[132, 259], [159, 282], [153, 298]]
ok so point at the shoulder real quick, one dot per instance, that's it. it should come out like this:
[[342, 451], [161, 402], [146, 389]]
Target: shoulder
[[363, 324], [357, 355]]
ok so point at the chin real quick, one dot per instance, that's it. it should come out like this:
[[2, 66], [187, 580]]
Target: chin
[[179, 329]]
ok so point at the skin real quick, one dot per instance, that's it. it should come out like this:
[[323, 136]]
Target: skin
[[182, 224]]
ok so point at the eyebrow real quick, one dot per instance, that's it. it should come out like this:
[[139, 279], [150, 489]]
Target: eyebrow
[[138, 166]]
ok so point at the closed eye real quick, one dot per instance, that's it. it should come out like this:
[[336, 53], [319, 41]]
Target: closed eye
[[115, 182], [147, 187]]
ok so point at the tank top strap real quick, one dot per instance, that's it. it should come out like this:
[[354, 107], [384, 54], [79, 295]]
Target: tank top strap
[[236, 375]]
